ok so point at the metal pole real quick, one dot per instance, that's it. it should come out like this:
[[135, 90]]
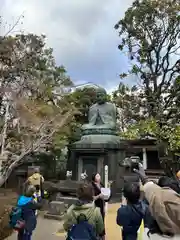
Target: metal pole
[[106, 176]]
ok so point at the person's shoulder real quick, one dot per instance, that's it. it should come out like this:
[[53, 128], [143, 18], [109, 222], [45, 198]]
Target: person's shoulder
[[96, 211], [71, 208], [41, 176], [123, 210], [30, 177], [93, 184], [34, 205], [110, 104], [94, 106]]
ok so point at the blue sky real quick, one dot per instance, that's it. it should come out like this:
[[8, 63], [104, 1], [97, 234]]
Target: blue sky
[[81, 33]]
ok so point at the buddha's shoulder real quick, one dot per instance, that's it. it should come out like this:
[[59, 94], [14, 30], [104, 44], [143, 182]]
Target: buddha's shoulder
[[105, 105], [93, 106], [110, 104]]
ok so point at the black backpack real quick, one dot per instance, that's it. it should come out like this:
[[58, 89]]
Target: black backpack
[[82, 230]]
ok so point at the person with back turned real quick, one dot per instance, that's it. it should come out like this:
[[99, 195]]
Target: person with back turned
[[23, 215], [36, 180], [131, 212], [83, 220], [164, 206]]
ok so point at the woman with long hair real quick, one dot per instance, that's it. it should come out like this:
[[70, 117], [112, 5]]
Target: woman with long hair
[[98, 196]]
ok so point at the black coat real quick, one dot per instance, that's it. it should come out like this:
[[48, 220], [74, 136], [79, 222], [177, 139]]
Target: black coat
[[131, 178], [99, 202]]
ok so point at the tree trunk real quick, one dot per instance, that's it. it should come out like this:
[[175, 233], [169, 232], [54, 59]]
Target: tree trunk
[[4, 132], [4, 135], [4, 175]]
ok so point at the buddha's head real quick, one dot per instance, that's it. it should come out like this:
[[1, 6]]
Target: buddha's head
[[101, 96]]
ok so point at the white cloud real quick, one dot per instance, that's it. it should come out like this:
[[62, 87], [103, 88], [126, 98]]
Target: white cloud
[[80, 31]]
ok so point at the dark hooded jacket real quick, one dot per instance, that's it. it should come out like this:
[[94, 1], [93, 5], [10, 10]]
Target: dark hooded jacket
[[129, 217], [29, 208]]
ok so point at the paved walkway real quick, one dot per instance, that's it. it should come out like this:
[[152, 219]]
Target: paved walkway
[[48, 229], [112, 229]]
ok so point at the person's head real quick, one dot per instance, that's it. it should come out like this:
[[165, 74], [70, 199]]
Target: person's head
[[36, 170], [96, 177], [85, 192], [132, 192], [170, 183], [164, 181], [37, 187], [30, 191], [178, 175]]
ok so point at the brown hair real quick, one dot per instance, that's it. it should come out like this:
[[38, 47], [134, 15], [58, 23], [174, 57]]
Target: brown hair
[[85, 192]]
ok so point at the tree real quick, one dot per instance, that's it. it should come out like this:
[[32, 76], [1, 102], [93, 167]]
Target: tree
[[25, 61], [130, 105], [150, 31], [34, 109], [168, 140]]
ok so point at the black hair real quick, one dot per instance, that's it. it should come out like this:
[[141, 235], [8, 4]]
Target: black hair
[[94, 180], [132, 192], [93, 177], [163, 181], [37, 188], [169, 182]]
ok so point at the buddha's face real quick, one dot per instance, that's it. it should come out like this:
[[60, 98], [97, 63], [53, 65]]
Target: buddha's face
[[101, 97]]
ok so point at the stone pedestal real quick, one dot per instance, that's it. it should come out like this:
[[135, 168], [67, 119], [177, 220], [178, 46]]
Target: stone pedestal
[[91, 155], [67, 200], [56, 210], [67, 186]]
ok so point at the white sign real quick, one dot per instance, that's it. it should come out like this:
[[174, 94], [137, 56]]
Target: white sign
[[106, 192]]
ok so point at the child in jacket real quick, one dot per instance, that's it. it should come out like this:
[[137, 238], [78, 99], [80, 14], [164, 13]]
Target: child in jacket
[[29, 207]]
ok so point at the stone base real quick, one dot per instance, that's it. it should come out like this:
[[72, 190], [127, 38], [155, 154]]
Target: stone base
[[56, 208], [67, 186], [66, 200], [102, 139]]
